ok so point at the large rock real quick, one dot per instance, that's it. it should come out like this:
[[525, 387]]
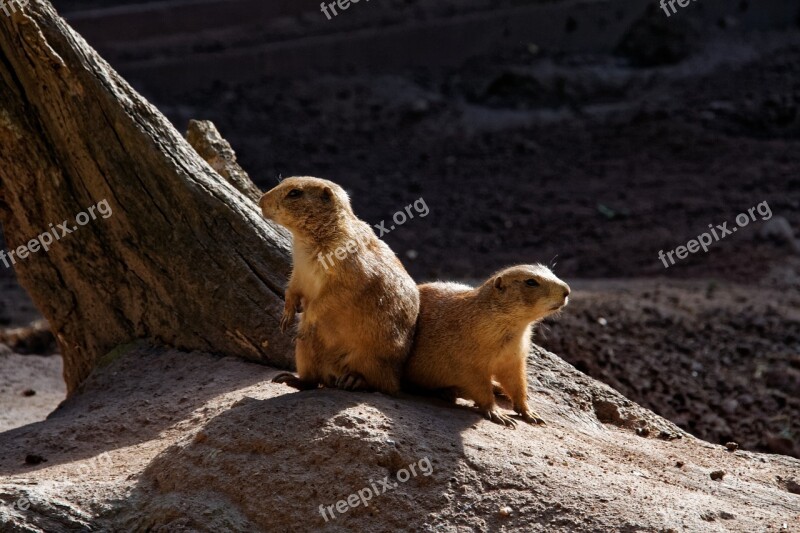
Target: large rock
[[164, 441]]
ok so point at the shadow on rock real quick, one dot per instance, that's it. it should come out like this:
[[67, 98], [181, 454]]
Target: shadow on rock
[[302, 461], [138, 392]]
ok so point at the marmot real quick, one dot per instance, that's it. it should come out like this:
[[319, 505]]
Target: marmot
[[359, 305], [466, 337]]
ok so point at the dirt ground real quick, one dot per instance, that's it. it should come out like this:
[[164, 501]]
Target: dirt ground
[[31, 385], [720, 359], [531, 159]]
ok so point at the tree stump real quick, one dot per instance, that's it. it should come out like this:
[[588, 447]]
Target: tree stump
[[185, 259]]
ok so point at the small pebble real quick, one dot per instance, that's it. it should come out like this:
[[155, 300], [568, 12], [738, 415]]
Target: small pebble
[[717, 475], [33, 459], [505, 511], [29, 392], [602, 321], [732, 446]]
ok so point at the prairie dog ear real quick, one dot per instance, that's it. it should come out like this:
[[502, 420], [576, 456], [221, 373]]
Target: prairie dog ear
[[327, 193], [499, 283]]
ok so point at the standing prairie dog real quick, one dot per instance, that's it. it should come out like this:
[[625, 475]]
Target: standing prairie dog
[[467, 337], [359, 305]]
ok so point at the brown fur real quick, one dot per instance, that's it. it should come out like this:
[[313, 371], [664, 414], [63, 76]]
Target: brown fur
[[359, 313], [466, 337]]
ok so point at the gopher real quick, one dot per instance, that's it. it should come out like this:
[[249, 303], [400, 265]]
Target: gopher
[[467, 337], [359, 305]]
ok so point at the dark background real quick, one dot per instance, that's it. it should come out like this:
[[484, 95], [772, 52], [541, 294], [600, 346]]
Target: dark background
[[518, 122]]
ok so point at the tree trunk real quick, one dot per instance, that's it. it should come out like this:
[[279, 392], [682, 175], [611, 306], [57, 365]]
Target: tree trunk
[[185, 259]]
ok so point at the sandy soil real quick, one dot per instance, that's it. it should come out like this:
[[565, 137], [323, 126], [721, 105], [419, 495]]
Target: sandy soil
[[31, 385], [31, 388]]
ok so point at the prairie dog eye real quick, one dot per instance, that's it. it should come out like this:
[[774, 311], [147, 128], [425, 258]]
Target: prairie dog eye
[[295, 193], [531, 282]]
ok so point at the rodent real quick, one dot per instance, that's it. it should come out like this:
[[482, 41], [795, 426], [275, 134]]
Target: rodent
[[467, 337], [359, 305]]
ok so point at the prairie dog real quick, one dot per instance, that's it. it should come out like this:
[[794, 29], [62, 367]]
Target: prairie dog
[[359, 305], [467, 337]]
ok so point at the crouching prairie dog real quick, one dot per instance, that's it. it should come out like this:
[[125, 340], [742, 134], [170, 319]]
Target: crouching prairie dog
[[467, 337], [359, 305]]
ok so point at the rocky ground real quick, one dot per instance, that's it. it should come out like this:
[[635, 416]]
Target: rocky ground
[[720, 359]]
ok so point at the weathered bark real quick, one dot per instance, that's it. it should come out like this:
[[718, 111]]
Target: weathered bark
[[217, 152], [185, 259]]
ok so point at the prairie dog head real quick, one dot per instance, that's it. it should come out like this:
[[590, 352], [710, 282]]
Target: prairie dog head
[[528, 292], [305, 205]]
